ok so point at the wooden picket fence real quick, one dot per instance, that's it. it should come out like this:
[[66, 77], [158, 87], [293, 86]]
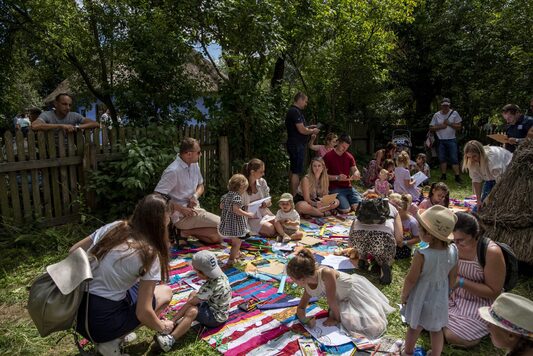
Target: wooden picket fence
[[43, 175]]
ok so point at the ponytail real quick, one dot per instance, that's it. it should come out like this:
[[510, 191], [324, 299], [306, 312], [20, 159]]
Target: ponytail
[[302, 265]]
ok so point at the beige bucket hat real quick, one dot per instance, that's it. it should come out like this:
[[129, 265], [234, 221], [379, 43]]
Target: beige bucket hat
[[511, 312], [439, 221]]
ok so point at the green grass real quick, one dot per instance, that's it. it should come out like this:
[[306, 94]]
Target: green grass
[[26, 258]]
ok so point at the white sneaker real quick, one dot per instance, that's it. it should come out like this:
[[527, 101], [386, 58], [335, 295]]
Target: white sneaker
[[165, 342], [131, 337], [110, 348]]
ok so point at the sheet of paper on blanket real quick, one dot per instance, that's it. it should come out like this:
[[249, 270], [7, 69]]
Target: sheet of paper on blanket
[[287, 247], [194, 282], [339, 230], [337, 262], [419, 177], [328, 335], [254, 206], [310, 241], [274, 268]]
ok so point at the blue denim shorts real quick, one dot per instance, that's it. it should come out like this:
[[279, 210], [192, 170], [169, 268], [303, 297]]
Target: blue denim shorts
[[347, 197], [296, 158], [205, 316], [448, 151]]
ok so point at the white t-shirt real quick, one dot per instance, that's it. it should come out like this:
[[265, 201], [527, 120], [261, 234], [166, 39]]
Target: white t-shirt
[[498, 159], [387, 227], [291, 215], [119, 270], [449, 132]]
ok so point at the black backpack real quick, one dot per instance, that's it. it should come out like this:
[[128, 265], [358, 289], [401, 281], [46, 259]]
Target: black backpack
[[511, 262], [373, 211]]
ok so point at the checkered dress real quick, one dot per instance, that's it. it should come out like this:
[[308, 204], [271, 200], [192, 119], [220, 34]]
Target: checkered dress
[[231, 224]]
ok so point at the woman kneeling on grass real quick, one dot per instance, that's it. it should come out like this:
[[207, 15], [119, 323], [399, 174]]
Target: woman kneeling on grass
[[353, 301], [132, 257]]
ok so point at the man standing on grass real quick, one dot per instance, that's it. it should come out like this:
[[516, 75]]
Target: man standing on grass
[[444, 123], [62, 117], [182, 184], [297, 137]]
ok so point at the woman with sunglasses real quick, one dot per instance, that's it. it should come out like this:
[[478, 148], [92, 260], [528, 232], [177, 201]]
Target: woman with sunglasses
[[475, 286]]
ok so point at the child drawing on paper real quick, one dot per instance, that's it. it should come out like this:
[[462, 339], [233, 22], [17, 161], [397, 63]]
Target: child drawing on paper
[[439, 194], [353, 301]]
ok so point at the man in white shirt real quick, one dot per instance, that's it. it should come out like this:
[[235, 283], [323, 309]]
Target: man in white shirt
[[182, 183], [444, 123]]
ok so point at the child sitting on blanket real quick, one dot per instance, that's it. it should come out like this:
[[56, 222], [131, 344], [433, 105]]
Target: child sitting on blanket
[[409, 224], [233, 219], [287, 222], [439, 194], [209, 306], [353, 301]]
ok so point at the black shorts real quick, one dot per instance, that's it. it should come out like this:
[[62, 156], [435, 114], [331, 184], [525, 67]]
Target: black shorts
[[109, 319], [296, 158]]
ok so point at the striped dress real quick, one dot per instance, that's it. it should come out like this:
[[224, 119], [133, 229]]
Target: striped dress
[[463, 319]]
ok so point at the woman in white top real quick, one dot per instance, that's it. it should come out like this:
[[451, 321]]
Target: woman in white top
[[263, 222], [132, 258], [484, 164]]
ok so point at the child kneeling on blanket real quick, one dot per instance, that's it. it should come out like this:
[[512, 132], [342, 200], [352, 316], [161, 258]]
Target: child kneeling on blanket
[[209, 306]]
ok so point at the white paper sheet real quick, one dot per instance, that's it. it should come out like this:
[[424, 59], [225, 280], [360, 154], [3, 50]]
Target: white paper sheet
[[419, 177], [254, 206], [328, 335], [337, 262]]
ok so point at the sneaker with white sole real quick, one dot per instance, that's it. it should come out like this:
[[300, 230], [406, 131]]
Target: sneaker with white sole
[[165, 342], [110, 348], [129, 338]]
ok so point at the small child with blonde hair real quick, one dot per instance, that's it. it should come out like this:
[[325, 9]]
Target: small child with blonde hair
[[432, 274], [410, 225], [287, 222], [233, 219], [321, 150], [381, 186], [403, 182]]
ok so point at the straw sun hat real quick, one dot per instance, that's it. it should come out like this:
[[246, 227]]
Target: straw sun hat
[[511, 312], [439, 221]]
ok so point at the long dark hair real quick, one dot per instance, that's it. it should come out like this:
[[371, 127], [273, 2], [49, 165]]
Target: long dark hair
[[440, 186], [253, 165], [146, 232]]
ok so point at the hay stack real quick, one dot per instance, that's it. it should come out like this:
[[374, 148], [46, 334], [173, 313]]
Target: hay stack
[[508, 216]]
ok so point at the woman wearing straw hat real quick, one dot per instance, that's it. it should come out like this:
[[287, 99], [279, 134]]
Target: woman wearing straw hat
[[475, 286], [510, 320]]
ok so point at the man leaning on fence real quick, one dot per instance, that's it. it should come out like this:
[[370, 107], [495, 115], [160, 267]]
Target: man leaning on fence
[[182, 184], [62, 117]]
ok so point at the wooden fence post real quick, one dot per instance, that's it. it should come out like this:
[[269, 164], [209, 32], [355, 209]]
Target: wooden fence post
[[223, 158], [89, 164]]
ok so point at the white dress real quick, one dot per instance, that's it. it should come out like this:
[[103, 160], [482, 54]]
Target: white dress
[[363, 308]]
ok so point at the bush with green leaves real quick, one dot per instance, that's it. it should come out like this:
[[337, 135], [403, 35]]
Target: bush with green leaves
[[119, 185]]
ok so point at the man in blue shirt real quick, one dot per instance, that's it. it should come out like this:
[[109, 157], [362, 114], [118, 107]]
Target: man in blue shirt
[[297, 136], [518, 125]]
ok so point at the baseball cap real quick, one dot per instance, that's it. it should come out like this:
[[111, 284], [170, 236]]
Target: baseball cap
[[446, 101], [206, 262]]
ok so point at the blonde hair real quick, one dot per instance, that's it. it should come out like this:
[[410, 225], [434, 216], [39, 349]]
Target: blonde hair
[[403, 159], [323, 181], [237, 183], [330, 137], [402, 202], [385, 172], [475, 147]]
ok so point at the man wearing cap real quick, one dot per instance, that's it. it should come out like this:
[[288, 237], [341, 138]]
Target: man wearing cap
[[209, 306], [518, 126], [444, 123], [182, 184], [297, 136]]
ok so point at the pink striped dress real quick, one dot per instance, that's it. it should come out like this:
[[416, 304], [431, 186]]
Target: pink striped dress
[[463, 319]]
